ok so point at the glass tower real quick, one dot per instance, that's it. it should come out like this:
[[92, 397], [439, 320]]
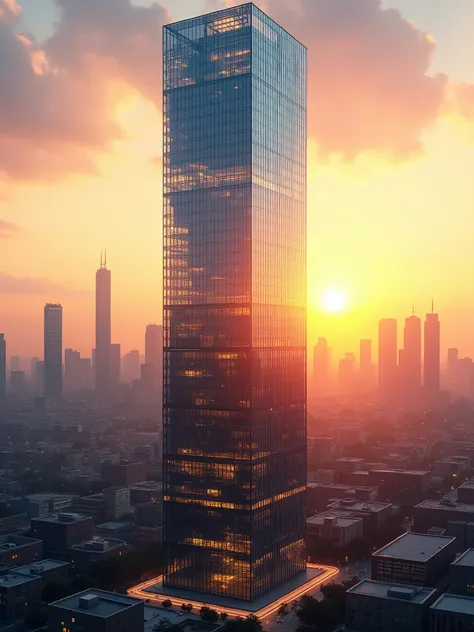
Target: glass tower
[[234, 304]]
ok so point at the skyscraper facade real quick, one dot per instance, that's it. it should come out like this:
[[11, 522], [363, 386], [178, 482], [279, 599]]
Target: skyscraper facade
[[234, 304], [102, 328], [388, 357], [53, 351], [431, 355], [3, 367]]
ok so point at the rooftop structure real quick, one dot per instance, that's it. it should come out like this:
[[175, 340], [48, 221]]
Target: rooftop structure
[[385, 590], [63, 518], [97, 603]]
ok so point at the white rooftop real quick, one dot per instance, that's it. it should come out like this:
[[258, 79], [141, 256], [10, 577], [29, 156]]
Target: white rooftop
[[100, 603], [417, 547]]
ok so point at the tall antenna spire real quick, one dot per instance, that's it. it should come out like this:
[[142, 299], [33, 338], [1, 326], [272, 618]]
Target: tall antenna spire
[[432, 306], [413, 310], [105, 260], [101, 262]]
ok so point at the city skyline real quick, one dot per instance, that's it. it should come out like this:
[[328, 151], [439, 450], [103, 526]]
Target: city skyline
[[385, 194]]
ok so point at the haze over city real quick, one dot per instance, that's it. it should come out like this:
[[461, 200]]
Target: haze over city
[[391, 109]]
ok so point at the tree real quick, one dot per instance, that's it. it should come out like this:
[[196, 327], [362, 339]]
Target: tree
[[209, 614], [167, 603], [165, 625], [250, 624], [223, 616]]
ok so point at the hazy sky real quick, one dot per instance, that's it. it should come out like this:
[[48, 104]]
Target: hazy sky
[[391, 155]]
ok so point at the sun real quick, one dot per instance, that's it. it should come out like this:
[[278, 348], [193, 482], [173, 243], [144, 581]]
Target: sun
[[334, 300]]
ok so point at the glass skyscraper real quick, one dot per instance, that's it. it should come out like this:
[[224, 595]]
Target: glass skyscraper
[[234, 303]]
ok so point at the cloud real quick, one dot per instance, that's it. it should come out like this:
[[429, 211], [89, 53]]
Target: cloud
[[58, 100], [31, 285], [460, 100], [370, 86], [369, 83], [7, 229]]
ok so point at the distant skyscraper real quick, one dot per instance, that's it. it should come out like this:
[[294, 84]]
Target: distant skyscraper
[[388, 356], [321, 366], [3, 367], [53, 351], [131, 366], [365, 363], [39, 378], [411, 369], [432, 354], [102, 328], [452, 368], [17, 383], [234, 411], [115, 364], [347, 373], [72, 370], [32, 375], [154, 360], [15, 363]]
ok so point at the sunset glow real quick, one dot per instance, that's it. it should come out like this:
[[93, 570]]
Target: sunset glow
[[334, 300]]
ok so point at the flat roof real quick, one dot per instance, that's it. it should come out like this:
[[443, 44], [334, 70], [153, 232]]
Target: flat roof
[[55, 518], [359, 505], [341, 521], [402, 592], [17, 579], [395, 471], [454, 603], [455, 506], [8, 542], [417, 547], [108, 604], [39, 567], [466, 559], [114, 525]]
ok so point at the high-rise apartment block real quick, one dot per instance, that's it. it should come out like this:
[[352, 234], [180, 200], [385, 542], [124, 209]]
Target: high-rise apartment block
[[410, 366], [3, 367], [234, 409], [53, 352], [432, 355], [321, 366], [102, 328], [388, 358]]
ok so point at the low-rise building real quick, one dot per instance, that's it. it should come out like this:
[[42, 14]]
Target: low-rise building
[[60, 531], [85, 554], [449, 467], [453, 613], [465, 493], [416, 559], [373, 606], [319, 495], [97, 611], [463, 532], [146, 492], [18, 593], [374, 514], [338, 531], [149, 515], [51, 571], [462, 574], [348, 464], [402, 487], [124, 473], [437, 513], [115, 530], [16, 550]]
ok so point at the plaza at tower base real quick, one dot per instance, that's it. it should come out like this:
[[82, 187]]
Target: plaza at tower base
[[309, 581]]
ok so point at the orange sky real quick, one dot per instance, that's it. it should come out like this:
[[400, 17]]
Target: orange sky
[[390, 187]]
